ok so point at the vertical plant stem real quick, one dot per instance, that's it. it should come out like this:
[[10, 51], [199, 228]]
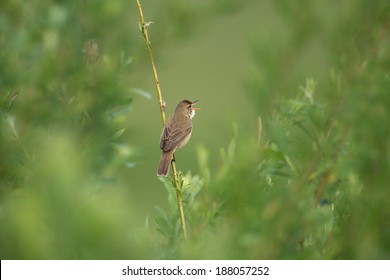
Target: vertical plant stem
[[144, 30], [179, 200]]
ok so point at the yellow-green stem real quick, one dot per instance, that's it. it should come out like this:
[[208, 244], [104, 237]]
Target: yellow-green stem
[[144, 29]]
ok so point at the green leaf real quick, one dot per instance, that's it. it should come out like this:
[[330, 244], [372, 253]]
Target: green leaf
[[142, 93], [119, 133], [278, 136]]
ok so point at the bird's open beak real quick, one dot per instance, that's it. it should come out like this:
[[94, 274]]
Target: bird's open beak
[[194, 108]]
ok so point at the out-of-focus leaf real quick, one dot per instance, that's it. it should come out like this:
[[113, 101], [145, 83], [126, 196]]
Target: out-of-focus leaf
[[278, 136], [131, 164], [142, 93], [119, 133]]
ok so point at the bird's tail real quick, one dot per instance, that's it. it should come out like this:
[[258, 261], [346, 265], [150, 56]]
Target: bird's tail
[[165, 161]]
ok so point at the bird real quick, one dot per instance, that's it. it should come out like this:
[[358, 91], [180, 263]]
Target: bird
[[176, 133]]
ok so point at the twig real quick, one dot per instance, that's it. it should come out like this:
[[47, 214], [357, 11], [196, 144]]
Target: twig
[[144, 29]]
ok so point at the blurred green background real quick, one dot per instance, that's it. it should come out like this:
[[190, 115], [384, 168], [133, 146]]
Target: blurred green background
[[289, 157]]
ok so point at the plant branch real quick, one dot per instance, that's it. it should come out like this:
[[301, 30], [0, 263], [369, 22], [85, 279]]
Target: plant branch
[[144, 29]]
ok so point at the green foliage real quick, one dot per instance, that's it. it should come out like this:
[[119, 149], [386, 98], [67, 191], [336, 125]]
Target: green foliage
[[310, 181], [316, 187], [64, 106], [279, 200]]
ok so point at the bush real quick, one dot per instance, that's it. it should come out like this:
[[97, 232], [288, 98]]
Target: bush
[[309, 181]]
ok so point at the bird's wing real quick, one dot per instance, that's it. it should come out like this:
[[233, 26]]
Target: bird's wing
[[164, 138], [172, 137], [165, 135], [176, 137]]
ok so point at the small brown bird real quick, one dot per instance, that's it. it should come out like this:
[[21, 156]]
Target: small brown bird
[[176, 133]]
